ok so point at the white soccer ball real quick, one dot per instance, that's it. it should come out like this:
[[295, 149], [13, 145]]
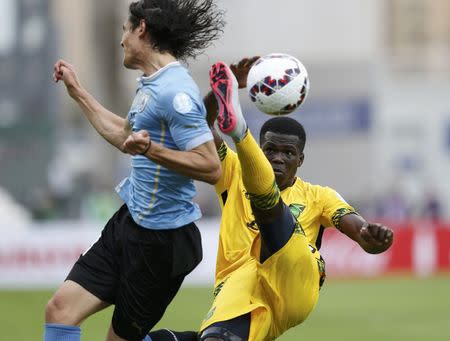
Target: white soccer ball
[[277, 84]]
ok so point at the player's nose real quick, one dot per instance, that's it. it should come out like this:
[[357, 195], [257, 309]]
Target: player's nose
[[277, 158]]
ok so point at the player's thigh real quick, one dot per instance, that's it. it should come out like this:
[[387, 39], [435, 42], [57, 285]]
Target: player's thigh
[[71, 304], [92, 283], [236, 329], [139, 307], [154, 266]]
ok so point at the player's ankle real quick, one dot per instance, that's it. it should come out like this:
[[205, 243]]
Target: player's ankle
[[239, 133]]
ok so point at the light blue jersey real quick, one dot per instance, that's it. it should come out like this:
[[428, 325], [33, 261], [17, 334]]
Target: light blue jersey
[[169, 106]]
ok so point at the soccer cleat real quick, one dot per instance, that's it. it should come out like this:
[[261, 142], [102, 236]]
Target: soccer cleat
[[225, 87]]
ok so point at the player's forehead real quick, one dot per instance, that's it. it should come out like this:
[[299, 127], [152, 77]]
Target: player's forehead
[[279, 139]]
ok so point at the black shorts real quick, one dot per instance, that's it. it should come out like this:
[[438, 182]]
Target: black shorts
[[137, 269]]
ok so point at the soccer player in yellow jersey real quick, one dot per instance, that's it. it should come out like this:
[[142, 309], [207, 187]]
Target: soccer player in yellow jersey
[[269, 269]]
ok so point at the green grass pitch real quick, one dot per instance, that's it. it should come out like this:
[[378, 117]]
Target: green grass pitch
[[392, 308]]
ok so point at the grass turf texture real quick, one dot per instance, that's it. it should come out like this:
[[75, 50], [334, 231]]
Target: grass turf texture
[[382, 309]]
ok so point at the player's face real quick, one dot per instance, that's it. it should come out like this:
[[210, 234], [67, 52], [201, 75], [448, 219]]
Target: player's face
[[131, 45], [284, 155]]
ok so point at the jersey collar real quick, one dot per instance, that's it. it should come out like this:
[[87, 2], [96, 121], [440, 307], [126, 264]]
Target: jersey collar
[[146, 79]]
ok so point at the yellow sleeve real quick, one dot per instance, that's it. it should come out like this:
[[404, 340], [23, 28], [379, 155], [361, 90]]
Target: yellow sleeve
[[230, 168], [334, 207]]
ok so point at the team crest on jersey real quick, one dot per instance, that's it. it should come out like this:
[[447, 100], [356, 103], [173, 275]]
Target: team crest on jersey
[[296, 209], [143, 102], [140, 101]]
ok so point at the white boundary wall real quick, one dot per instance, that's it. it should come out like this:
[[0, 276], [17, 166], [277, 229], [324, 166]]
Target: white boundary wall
[[41, 257]]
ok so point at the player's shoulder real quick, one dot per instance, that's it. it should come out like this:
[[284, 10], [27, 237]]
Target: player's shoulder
[[182, 96], [314, 190]]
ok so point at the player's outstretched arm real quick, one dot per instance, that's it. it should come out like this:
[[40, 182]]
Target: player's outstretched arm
[[110, 126], [240, 70], [201, 163], [372, 237]]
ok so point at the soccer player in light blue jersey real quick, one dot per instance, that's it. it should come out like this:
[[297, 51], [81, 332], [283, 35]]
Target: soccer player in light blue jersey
[[151, 243]]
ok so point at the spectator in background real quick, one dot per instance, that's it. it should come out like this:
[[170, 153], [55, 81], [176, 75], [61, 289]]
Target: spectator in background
[[393, 207], [432, 207]]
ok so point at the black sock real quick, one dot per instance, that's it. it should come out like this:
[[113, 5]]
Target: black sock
[[169, 335]]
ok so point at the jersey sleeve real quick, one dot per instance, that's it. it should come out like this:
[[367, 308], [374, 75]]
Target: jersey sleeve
[[334, 207], [230, 168], [185, 116]]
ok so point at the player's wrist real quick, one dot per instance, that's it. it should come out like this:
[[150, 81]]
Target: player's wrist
[[147, 149]]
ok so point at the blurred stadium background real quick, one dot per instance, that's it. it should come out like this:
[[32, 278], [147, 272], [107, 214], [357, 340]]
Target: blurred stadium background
[[378, 126]]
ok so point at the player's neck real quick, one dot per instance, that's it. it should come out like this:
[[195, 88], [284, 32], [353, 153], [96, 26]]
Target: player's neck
[[290, 184], [156, 61]]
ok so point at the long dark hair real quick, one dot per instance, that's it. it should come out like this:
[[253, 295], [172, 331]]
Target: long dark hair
[[183, 28]]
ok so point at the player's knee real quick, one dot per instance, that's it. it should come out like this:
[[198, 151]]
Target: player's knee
[[57, 311], [219, 334]]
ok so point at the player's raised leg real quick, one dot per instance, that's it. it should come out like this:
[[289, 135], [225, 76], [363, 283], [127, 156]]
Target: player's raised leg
[[257, 173]]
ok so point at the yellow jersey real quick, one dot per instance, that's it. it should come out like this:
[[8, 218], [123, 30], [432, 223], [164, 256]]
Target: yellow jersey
[[282, 291], [315, 208]]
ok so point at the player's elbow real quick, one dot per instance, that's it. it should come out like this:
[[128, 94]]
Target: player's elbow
[[214, 174]]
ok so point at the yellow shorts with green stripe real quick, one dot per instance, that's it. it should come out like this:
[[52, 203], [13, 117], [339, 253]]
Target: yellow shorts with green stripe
[[279, 294]]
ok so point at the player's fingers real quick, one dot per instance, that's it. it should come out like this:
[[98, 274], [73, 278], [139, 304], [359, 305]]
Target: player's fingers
[[139, 142], [234, 67], [242, 62], [57, 65], [378, 231], [253, 59], [143, 133], [66, 64], [128, 142], [367, 235]]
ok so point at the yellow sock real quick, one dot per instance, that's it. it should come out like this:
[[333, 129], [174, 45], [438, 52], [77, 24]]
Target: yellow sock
[[257, 173]]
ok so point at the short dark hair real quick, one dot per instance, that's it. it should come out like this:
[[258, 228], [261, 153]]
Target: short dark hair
[[183, 28], [286, 126]]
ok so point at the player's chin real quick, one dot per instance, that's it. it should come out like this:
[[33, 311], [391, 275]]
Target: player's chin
[[279, 178], [128, 64]]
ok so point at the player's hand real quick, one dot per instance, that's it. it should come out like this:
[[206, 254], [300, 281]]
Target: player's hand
[[137, 143], [65, 71], [378, 236], [241, 70]]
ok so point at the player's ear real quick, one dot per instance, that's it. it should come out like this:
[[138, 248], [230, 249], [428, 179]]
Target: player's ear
[[142, 27]]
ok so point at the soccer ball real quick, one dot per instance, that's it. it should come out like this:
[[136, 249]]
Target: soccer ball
[[277, 84]]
